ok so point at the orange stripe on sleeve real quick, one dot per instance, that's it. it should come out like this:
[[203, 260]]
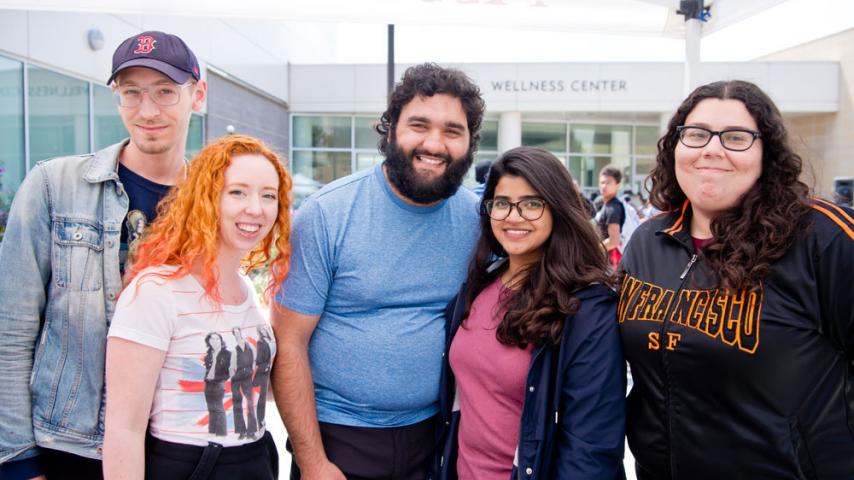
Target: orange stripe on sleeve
[[836, 220], [837, 209], [678, 225]]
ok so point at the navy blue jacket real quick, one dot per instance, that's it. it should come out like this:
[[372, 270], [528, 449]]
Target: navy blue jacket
[[573, 416]]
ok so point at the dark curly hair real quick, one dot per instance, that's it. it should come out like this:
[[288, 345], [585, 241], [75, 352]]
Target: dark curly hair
[[426, 80], [749, 237], [573, 256]]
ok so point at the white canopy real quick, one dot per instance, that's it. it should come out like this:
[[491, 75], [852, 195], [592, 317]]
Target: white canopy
[[624, 17]]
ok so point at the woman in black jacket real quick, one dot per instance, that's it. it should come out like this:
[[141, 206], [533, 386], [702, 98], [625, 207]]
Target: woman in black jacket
[[534, 378], [735, 305]]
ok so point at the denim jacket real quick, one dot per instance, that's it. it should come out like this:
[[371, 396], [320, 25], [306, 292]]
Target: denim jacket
[[60, 266]]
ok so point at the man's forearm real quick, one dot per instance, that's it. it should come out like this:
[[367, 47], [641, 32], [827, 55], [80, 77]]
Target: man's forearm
[[294, 392]]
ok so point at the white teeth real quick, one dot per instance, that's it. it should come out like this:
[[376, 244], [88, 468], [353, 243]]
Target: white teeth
[[516, 232], [431, 161], [249, 228]]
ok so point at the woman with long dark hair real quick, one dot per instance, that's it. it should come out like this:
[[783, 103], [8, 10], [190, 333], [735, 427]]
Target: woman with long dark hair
[[534, 378], [735, 305]]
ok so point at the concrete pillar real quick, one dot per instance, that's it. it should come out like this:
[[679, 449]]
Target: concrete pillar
[[509, 131]]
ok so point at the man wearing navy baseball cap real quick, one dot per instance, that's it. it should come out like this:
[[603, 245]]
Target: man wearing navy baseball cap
[[66, 241]]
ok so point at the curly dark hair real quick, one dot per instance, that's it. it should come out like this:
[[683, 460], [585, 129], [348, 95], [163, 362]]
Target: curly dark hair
[[573, 256], [426, 80], [749, 237]]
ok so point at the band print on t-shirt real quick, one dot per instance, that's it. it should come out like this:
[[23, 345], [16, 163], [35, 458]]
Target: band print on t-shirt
[[236, 381]]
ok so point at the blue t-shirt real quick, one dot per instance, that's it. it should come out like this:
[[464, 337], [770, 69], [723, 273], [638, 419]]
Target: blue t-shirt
[[143, 197], [379, 272]]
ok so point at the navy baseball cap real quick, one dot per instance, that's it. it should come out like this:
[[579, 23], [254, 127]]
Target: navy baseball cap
[[159, 51]]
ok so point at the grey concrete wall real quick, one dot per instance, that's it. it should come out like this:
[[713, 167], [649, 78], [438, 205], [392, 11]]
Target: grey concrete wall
[[229, 103]]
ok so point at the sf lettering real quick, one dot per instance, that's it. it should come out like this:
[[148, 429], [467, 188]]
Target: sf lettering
[[655, 344]]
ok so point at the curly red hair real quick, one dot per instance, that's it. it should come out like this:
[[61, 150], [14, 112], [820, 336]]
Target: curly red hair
[[187, 225]]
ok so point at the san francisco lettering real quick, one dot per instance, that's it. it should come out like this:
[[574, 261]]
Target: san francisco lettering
[[731, 318]]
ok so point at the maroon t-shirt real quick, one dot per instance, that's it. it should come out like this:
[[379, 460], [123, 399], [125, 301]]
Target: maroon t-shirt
[[699, 243], [491, 381]]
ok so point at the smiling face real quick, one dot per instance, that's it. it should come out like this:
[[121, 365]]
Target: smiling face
[[522, 239], [155, 129], [248, 204], [429, 153], [713, 178]]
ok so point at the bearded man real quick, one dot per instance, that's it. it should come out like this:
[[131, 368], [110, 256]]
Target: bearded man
[[376, 256]]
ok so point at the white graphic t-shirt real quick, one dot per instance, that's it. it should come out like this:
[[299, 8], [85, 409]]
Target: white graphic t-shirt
[[215, 378]]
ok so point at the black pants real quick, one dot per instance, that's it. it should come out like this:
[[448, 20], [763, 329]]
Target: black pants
[[67, 466], [174, 461], [400, 453], [240, 389], [214, 394]]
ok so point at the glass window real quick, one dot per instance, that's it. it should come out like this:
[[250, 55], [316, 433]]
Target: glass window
[[195, 136], [12, 167], [367, 160], [322, 167], [321, 132], [109, 128], [590, 165], [366, 135], [646, 139], [643, 167], [600, 139], [551, 136], [59, 114], [488, 136]]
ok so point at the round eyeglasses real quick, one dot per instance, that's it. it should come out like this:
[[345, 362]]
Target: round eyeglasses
[[165, 95], [529, 208], [735, 139]]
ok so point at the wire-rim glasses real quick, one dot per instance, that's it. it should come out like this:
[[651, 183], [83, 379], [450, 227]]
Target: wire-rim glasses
[[528, 208], [734, 139], [165, 95]]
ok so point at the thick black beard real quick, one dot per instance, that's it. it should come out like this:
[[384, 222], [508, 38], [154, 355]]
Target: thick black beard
[[409, 182]]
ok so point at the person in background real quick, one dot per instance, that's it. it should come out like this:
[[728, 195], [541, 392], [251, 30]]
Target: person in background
[[66, 243], [735, 306], [481, 170], [188, 285], [534, 380], [611, 216], [377, 256]]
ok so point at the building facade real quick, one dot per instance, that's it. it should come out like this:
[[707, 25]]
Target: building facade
[[321, 118]]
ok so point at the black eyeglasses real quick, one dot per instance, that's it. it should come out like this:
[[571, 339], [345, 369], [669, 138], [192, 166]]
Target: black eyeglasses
[[735, 139], [529, 208]]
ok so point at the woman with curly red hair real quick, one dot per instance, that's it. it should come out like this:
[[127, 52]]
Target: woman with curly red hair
[[735, 306], [185, 328]]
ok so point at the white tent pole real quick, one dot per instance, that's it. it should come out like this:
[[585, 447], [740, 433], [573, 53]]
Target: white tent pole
[[693, 35]]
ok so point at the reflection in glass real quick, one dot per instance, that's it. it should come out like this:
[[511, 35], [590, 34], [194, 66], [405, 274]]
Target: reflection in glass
[[590, 165], [109, 128], [195, 136], [645, 140], [550, 136], [59, 114], [321, 132], [323, 167], [12, 166], [367, 160], [488, 136], [600, 139], [366, 135]]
